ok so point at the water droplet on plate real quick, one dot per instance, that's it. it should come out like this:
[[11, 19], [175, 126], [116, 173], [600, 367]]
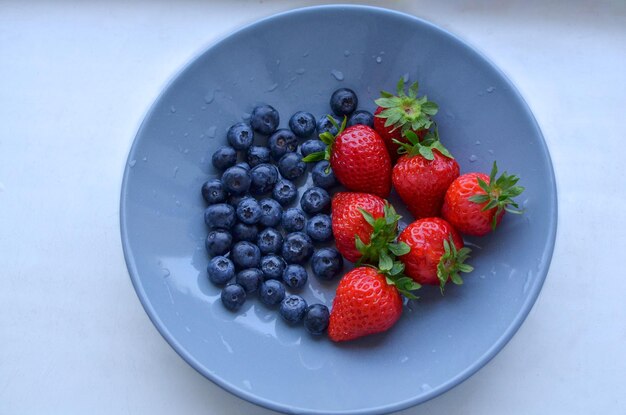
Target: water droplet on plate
[[172, 109], [491, 89], [346, 53], [166, 272], [473, 158], [338, 75], [426, 387], [209, 97], [379, 59], [211, 132], [300, 71], [186, 134], [175, 171], [145, 159], [406, 77], [477, 142], [132, 163], [305, 54], [272, 87], [277, 62], [178, 203]]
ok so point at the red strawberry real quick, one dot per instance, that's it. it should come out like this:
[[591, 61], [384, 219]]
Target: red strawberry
[[364, 304], [475, 203], [422, 176], [358, 158], [348, 222], [397, 114], [436, 252]]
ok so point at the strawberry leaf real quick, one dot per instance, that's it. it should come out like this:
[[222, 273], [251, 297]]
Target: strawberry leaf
[[317, 156], [499, 194], [406, 111], [385, 263], [399, 248], [452, 263]]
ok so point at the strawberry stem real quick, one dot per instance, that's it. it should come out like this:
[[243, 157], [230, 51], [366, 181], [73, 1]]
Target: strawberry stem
[[498, 194], [329, 139], [425, 147], [383, 248], [452, 263], [406, 111]]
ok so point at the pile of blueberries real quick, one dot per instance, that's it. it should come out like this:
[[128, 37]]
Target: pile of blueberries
[[258, 235]]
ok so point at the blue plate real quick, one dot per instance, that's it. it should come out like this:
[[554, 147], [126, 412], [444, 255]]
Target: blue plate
[[294, 61]]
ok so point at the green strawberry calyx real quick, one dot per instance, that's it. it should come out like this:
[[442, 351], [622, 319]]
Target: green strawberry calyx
[[383, 248], [424, 147], [499, 194], [327, 138], [452, 263], [406, 111]]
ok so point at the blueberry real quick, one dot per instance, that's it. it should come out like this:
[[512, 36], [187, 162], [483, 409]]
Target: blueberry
[[271, 212], [264, 177], [213, 192], [249, 279], [243, 165], [224, 157], [302, 124], [291, 166], [246, 255], [281, 142], [264, 119], [312, 146], [293, 220], [326, 263], [295, 276], [324, 125], [233, 296], [319, 228], [219, 216], [316, 318], [269, 241], [248, 211], [323, 175], [271, 292], [273, 267], [315, 200], [236, 180], [297, 248], [240, 136], [243, 232], [343, 101], [292, 308], [234, 200], [220, 270], [257, 155], [361, 117], [218, 242], [285, 192]]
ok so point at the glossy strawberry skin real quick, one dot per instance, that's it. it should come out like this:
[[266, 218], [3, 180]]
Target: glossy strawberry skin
[[364, 304], [388, 134], [425, 238], [422, 183], [360, 161], [347, 220], [467, 216]]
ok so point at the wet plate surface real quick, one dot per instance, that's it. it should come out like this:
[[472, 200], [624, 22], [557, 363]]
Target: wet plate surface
[[294, 61]]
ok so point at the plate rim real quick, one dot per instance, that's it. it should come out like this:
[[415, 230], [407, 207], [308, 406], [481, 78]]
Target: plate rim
[[478, 364]]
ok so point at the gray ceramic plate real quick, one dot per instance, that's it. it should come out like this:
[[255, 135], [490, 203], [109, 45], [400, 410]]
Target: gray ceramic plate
[[294, 61]]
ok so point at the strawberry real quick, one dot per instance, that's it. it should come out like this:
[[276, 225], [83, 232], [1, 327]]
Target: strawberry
[[367, 302], [397, 114], [348, 222], [422, 175], [436, 252], [475, 203], [358, 158]]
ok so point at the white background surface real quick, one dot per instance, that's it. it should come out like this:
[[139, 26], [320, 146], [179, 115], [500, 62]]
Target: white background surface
[[75, 82]]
